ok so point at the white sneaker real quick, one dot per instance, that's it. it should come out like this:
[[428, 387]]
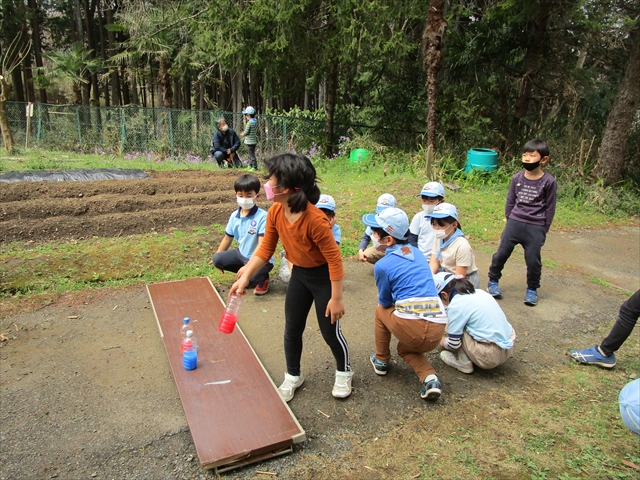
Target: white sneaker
[[342, 385], [461, 362], [289, 386]]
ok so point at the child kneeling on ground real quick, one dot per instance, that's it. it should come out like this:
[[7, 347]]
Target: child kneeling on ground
[[408, 303], [478, 330]]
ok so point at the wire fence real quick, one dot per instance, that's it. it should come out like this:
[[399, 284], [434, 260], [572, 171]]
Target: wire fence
[[133, 130]]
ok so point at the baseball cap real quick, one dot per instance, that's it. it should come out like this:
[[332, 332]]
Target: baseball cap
[[249, 111], [326, 202], [392, 220], [432, 189], [386, 200], [443, 210], [629, 401], [441, 279]]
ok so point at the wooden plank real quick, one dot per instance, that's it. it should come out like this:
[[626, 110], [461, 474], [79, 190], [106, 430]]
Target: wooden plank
[[233, 408]]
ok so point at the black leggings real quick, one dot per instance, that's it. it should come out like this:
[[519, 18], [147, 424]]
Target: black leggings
[[627, 319], [307, 286]]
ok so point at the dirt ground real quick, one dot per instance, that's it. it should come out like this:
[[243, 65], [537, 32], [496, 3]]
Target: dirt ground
[[87, 392]]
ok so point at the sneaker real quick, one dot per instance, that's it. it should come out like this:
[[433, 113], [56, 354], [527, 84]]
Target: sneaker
[[342, 385], [431, 388], [262, 288], [494, 289], [531, 298], [289, 386], [460, 362], [379, 367], [593, 356]]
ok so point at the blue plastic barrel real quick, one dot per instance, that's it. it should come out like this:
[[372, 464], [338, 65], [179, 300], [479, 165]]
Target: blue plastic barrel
[[483, 159]]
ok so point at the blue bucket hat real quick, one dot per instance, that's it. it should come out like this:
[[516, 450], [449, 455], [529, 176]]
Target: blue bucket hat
[[386, 200], [441, 279], [432, 189], [443, 210], [392, 220], [326, 202], [249, 111]]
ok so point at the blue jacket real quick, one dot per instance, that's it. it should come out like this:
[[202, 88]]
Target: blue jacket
[[224, 141]]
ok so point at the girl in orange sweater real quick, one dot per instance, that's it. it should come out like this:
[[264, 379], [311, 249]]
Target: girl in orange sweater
[[317, 272]]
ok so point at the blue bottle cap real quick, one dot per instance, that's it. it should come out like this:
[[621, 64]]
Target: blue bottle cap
[[185, 320]]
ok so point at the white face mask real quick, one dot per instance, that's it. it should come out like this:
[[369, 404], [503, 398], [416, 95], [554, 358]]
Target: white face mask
[[440, 234], [246, 203], [428, 208], [376, 242], [225, 128]]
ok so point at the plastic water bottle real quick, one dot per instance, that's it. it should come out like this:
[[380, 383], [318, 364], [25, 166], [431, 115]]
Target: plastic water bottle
[[230, 315], [189, 351], [186, 326]]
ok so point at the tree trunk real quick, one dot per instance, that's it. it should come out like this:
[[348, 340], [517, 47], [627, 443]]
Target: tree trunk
[[332, 87], [126, 98], [37, 42], [116, 93], [89, 11], [620, 120], [7, 137], [532, 59], [164, 81], [28, 78], [433, 39], [103, 54]]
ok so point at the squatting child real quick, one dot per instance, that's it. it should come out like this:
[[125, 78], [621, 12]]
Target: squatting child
[[376, 252], [247, 226]]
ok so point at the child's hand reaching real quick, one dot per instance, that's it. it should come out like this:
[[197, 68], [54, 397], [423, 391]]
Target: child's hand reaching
[[361, 256], [238, 288], [335, 308]]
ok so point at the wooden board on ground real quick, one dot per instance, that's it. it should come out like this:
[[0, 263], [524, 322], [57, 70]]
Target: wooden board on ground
[[233, 409]]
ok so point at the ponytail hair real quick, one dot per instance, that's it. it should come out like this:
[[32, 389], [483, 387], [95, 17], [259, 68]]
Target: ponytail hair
[[462, 286], [297, 173]]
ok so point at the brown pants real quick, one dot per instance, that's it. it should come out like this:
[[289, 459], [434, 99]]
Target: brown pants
[[486, 355], [415, 338]]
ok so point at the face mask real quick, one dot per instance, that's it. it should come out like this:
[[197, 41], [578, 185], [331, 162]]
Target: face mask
[[428, 208], [225, 128], [268, 190], [530, 166], [440, 234], [375, 241], [245, 203]]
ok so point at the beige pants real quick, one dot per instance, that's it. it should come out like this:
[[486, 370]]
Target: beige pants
[[374, 254], [415, 338], [484, 354]]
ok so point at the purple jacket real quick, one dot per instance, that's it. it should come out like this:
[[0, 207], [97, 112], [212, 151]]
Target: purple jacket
[[532, 201]]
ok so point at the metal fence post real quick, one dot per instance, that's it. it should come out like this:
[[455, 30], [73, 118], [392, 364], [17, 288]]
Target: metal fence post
[[170, 131], [78, 122], [123, 136], [284, 135]]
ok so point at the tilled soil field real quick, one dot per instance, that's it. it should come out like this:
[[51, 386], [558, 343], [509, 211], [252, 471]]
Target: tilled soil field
[[42, 211]]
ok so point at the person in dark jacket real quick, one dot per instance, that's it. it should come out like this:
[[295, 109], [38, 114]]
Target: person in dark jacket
[[225, 144]]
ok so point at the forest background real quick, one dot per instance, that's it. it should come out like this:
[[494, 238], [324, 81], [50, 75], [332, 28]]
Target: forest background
[[457, 74]]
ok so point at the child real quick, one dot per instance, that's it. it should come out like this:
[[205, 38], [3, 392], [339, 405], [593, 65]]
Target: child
[[328, 205], [530, 207], [250, 135], [603, 355], [375, 253], [408, 303], [451, 250], [247, 226], [477, 328], [317, 267], [421, 231]]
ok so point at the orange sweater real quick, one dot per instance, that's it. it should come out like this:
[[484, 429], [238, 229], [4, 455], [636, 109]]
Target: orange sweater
[[308, 242]]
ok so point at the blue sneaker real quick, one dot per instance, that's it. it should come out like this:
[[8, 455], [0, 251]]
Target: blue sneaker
[[592, 356], [379, 367], [531, 298], [431, 389], [494, 289]]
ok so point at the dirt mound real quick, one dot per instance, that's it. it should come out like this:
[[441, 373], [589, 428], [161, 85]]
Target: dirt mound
[[43, 211]]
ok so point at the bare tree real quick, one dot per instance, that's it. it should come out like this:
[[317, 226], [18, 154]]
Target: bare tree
[[9, 61]]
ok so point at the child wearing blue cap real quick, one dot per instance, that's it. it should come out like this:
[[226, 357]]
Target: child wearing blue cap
[[250, 135], [478, 332], [451, 250], [421, 230], [408, 304], [376, 252]]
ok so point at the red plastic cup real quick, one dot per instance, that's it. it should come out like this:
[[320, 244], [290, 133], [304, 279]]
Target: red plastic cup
[[227, 322]]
